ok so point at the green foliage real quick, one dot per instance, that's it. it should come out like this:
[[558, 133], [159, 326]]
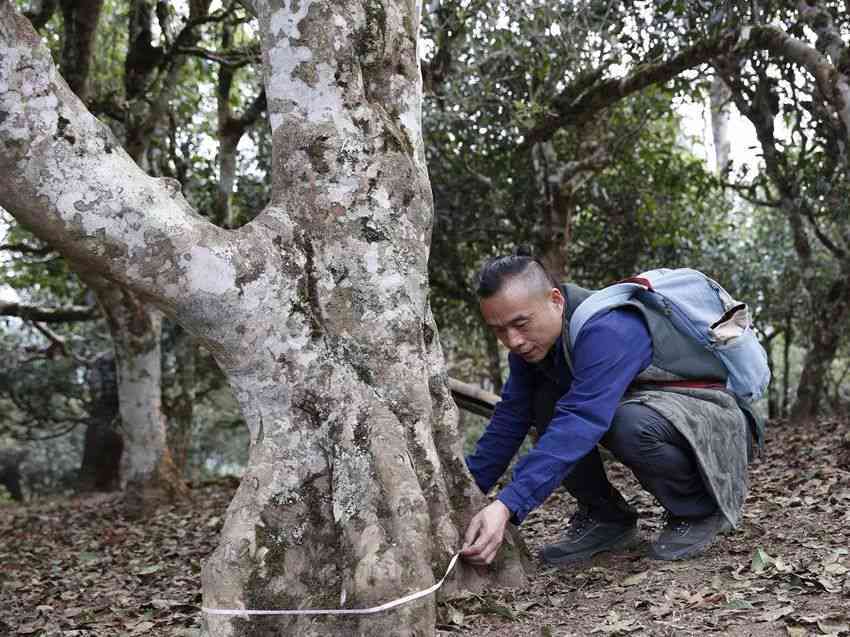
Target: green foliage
[[649, 203]]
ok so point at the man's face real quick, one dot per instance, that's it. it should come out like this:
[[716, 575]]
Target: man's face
[[527, 322]]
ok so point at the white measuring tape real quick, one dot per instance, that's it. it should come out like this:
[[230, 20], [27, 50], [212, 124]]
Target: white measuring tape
[[337, 611]]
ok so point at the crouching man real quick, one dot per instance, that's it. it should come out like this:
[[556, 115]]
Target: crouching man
[[684, 437]]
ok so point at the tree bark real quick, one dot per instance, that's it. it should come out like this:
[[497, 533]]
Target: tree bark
[[494, 360], [149, 475], [787, 340], [719, 99], [182, 399], [316, 311], [826, 335], [230, 132], [772, 405], [103, 444], [80, 18]]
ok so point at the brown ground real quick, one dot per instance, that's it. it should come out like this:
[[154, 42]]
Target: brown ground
[[76, 568], [786, 571]]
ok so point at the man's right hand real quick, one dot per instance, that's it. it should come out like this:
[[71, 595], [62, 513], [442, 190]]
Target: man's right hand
[[485, 533]]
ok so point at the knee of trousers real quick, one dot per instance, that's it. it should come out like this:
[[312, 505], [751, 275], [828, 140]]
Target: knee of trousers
[[635, 432]]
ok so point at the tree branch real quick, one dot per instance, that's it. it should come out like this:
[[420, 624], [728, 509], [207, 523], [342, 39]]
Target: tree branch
[[820, 20], [227, 58], [745, 191], [25, 249], [65, 178], [580, 100], [575, 103], [75, 422], [68, 314], [835, 249], [833, 85], [472, 398], [42, 16]]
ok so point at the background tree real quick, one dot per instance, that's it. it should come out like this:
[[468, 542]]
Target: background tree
[[138, 85], [805, 179]]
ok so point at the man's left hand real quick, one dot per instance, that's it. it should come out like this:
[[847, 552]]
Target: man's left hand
[[485, 533]]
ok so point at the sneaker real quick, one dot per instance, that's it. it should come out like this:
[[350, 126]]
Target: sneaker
[[586, 536], [685, 537]]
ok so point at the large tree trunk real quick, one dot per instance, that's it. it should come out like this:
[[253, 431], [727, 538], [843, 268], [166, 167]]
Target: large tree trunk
[[355, 488], [316, 311]]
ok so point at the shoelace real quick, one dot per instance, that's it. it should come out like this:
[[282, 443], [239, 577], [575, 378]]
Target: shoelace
[[679, 526], [579, 522]]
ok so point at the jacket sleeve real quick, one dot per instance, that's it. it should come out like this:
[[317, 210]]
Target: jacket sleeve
[[507, 428], [610, 351]]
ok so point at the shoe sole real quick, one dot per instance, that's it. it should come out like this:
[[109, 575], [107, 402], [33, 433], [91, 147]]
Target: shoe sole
[[627, 540]]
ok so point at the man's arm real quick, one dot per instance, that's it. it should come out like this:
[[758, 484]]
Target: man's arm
[[507, 427], [611, 350]]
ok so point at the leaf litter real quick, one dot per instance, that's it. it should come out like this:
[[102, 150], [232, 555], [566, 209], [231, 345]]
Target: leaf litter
[[784, 571], [76, 568]]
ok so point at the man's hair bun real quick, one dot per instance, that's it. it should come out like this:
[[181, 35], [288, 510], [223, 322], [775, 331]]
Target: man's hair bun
[[497, 270]]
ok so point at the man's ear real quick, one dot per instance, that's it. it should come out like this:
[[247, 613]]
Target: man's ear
[[557, 297]]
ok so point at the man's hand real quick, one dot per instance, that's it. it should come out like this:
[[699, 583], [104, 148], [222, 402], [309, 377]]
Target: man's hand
[[485, 533]]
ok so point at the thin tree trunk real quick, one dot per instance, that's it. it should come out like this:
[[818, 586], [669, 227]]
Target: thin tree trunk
[[827, 331], [182, 400], [230, 131], [10, 471], [494, 360], [772, 400], [226, 180], [149, 474], [788, 339], [813, 379], [80, 18], [100, 469], [720, 97]]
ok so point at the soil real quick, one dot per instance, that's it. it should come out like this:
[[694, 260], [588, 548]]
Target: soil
[[784, 571], [76, 567]]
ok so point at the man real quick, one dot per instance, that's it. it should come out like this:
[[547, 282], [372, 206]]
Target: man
[[685, 439]]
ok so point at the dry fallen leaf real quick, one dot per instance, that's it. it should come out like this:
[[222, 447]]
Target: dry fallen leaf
[[774, 614], [835, 626], [760, 561], [637, 578], [142, 627]]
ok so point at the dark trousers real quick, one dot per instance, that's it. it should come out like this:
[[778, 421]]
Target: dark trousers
[[661, 459], [647, 443]]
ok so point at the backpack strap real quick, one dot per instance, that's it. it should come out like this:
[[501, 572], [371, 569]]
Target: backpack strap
[[573, 296], [609, 297]]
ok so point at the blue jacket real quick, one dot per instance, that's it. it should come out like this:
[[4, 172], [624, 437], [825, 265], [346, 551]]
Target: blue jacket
[[611, 350]]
